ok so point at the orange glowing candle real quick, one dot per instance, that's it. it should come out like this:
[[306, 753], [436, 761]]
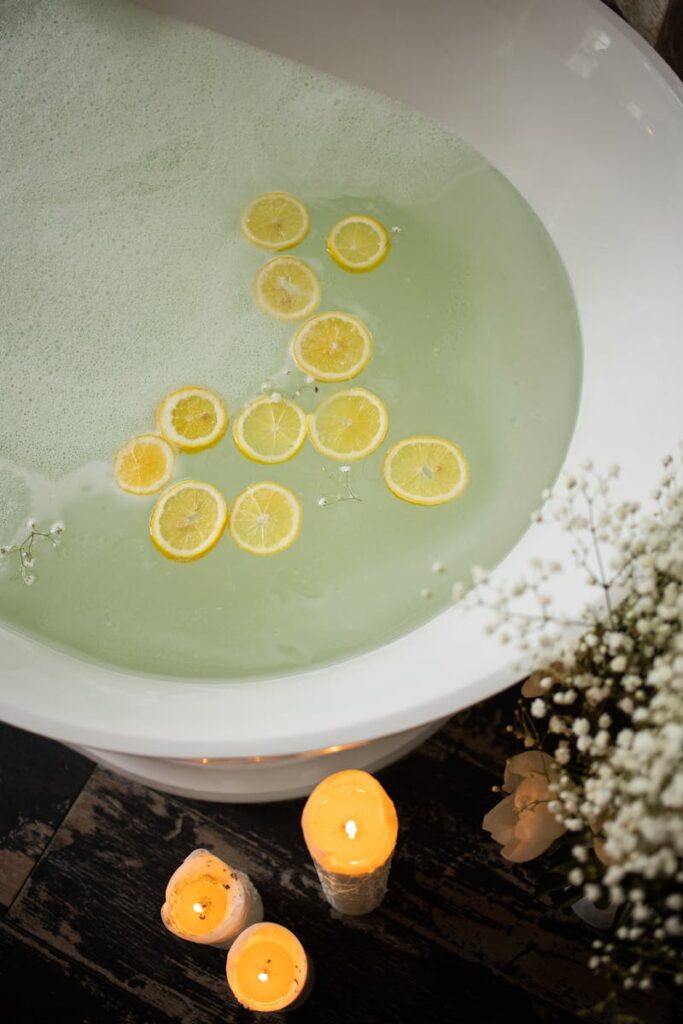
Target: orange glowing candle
[[268, 970], [350, 827], [209, 902]]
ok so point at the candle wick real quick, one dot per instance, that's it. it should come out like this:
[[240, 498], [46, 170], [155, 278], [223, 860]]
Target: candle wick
[[351, 829], [263, 976], [200, 909]]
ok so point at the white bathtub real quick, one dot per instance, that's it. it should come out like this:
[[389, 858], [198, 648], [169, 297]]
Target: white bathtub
[[587, 122]]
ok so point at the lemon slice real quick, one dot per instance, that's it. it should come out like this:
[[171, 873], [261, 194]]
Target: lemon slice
[[426, 470], [275, 220], [144, 464], [349, 424], [332, 347], [192, 419], [188, 520], [287, 289], [265, 519], [270, 429], [358, 243]]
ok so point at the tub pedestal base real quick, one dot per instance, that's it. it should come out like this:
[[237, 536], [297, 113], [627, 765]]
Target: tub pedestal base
[[258, 780]]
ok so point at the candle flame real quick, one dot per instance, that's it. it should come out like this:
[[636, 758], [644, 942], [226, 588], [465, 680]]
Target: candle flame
[[198, 908], [262, 976], [351, 829]]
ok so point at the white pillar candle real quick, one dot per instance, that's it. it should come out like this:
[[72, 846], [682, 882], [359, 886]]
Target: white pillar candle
[[209, 902], [350, 827]]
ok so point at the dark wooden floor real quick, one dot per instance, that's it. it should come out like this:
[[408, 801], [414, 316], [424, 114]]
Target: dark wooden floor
[[85, 855]]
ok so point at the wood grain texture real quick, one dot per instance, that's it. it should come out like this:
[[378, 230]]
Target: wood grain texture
[[461, 934], [39, 780], [94, 900], [51, 988], [670, 40]]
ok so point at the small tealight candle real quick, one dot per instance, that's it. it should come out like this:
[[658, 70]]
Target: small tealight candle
[[268, 970], [350, 827], [209, 902]]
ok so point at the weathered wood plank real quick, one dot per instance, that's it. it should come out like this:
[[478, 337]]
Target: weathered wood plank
[[40, 986], [477, 734], [95, 900], [670, 40], [39, 780], [457, 917]]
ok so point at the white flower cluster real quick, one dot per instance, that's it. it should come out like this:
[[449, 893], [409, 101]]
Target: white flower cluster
[[609, 709], [25, 549]]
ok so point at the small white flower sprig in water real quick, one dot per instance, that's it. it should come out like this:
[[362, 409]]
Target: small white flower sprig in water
[[605, 714], [346, 494], [24, 550], [300, 386]]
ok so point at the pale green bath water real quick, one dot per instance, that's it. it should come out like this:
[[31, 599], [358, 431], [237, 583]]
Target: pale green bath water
[[133, 143]]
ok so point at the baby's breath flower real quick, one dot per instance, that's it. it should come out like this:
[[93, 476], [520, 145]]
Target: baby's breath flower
[[613, 714], [538, 708]]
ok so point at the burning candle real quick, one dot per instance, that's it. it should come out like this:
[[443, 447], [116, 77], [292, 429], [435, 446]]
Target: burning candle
[[268, 969], [209, 902], [350, 827]]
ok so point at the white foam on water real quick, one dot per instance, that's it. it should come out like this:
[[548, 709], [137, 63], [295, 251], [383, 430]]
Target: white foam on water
[[130, 144], [15, 505]]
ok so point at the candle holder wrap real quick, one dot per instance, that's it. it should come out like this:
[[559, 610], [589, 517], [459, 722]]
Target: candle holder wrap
[[354, 895]]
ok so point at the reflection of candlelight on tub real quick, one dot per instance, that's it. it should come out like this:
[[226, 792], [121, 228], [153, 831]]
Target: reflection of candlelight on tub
[[208, 902], [268, 970], [350, 827]]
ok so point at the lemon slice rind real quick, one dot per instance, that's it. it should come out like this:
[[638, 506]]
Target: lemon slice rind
[[349, 455], [336, 250], [280, 312], [292, 206], [240, 428], [419, 499], [331, 376], [157, 483], [286, 540], [184, 554], [171, 434]]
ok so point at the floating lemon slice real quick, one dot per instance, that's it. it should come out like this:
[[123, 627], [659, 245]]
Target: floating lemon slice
[[332, 347], [349, 424], [188, 520], [192, 418], [265, 519], [270, 429], [426, 470], [358, 243], [144, 464], [275, 220], [287, 289]]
